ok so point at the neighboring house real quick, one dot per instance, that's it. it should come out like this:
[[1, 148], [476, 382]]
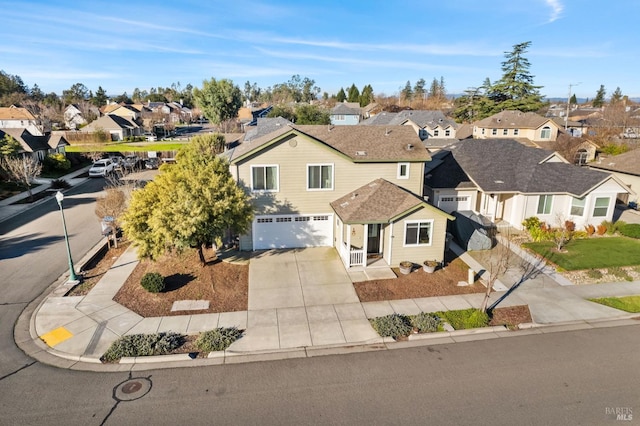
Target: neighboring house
[[249, 116], [570, 127], [626, 167], [36, 146], [346, 113], [14, 117], [506, 181], [126, 111], [433, 127], [74, 117], [518, 125], [118, 127], [357, 188], [371, 110]]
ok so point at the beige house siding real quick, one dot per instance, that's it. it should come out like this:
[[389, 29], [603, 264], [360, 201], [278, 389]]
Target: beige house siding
[[522, 133], [294, 154], [400, 252]]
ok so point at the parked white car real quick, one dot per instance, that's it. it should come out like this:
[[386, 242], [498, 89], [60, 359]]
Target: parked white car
[[101, 168]]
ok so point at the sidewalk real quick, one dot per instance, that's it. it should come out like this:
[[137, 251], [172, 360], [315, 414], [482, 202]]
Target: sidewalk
[[80, 329], [9, 210]]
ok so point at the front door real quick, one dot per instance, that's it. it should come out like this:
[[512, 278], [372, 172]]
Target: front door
[[373, 238]]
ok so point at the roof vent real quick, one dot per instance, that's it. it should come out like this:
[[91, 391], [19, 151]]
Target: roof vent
[[353, 196], [345, 204], [499, 120], [440, 120], [498, 181], [329, 128], [409, 147], [361, 153]]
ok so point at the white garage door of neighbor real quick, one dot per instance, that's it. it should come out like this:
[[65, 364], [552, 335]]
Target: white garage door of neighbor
[[450, 203], [290, 231]]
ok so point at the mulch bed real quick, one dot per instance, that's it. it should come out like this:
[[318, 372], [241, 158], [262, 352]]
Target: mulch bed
[[442, 282], [511, 316], [224, 285]]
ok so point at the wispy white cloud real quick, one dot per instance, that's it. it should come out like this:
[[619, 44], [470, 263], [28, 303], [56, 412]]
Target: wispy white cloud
[[556, 9]]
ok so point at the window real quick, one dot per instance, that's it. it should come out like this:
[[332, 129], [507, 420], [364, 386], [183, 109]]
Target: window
[[436, 132], [516, 132], [494, 132], [544, 204], [505, 132], [339, 117], [417, 233], [483, 131], [581, 157], [264, 178], [601, 207], [403, 170], [447, 132], [577, 206], [545, 133], [320, 176]]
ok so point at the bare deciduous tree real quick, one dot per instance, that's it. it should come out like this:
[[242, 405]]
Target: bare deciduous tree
[[113, 204], [23, 170], [498, 264]]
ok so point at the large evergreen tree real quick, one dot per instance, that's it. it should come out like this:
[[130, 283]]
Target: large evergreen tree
[[407, 93], [353, 94], [598, 101], [366, 97], [419, 91], [341, 96]]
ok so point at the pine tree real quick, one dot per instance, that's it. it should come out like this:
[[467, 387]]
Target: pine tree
[[407, 93], [419, 90], [617, 96], [598, 101], [341, 96], [366, 97], [354, 94]]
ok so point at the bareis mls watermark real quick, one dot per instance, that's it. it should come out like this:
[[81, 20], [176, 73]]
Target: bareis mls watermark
[[619, 413]]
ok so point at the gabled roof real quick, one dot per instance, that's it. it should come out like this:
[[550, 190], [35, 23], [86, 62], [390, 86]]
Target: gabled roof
[[15, 113], [111, 121], [264, 126], [422, 118], [350, 108], [513, 120], [628, 163], [506, 166], [377, 202], [27, 141], [360, 144]]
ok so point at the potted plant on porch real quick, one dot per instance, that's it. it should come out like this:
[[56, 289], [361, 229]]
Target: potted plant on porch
[[406, 267], [429, 266]]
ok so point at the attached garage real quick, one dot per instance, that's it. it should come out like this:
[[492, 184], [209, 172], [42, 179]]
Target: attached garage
[[452, 203], [291, 231]]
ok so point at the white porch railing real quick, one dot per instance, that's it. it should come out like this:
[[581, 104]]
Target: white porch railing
[[356, 257]]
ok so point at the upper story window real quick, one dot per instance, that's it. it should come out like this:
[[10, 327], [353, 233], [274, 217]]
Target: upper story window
[[339, 117], [447, 132], [483, 131], [403, 170], [544, 204], [494, 132], [436, 132], [505, 132], [320, 176], [516, 132], [545, 133], [264, 178]]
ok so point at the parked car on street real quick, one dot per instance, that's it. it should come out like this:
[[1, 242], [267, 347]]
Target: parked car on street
[[152, 163], [150, 137], [101, 168], [131, 162]]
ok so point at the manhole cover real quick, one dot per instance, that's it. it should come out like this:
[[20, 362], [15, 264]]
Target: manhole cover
[[132, 389]]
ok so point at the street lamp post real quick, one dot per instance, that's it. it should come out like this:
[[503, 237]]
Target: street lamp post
[[566, 119], [72, 273]]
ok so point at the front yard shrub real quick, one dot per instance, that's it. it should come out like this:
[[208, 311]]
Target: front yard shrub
[[153, 282], [631, 230], [426, 322], [618, 272], [580, 234], [394, 325], [594, 274], [531, 223], [59, 184], [218, 339], [590, 229], [466, 318], [143, 345], [601, 229], [56, 162]]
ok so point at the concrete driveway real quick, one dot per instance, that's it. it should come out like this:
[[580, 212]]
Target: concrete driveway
[[298, 277]]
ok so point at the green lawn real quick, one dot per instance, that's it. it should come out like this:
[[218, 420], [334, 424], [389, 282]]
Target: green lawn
[[127, 147], [591, 253], [627, 304]]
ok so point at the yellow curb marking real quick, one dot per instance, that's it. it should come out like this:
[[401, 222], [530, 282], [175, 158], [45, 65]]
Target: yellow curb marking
[[56, 336]]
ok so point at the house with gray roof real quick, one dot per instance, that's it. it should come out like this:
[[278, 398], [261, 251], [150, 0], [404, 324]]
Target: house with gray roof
[[355, 188], [626, 167], [34, 145], [506, 181], [346, 114], [118, 127], [264, 126], [433, 127]]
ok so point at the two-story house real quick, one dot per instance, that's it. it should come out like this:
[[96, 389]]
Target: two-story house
[[357, 188], [506, 181], [346, 114], [14, 117], [432, 126], [527, 126]]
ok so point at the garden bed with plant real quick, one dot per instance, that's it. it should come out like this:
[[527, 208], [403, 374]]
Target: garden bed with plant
[[400, 327]]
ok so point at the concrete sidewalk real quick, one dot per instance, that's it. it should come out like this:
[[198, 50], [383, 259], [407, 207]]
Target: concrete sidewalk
[[81, 328], [8, 209]]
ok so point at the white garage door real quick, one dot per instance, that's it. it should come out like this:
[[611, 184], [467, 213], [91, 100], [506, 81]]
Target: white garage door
[[450, 203], [289, 231]]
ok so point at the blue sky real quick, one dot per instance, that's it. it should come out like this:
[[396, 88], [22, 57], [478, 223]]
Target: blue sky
[[123, 45]]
